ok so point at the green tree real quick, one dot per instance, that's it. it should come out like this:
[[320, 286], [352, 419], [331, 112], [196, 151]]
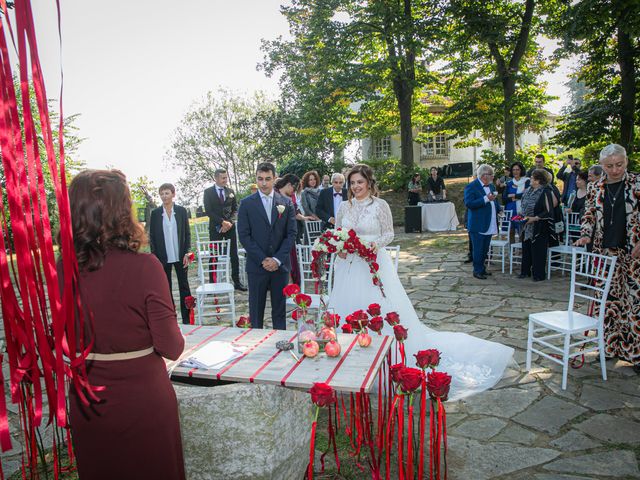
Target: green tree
[[352, 68], [605, 36], [494, 68], [224, 130]]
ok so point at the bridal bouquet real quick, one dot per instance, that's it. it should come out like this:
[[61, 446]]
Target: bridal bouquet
[[343, 241]]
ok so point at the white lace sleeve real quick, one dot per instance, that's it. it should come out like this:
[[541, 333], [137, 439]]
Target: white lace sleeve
[[340, 214], [386, 224]]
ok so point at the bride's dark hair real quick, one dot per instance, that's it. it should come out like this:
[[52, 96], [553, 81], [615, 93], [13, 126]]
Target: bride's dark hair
[[367, 172]]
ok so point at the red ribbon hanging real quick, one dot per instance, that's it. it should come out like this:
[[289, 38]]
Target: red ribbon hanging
[[423, 407], [312, 449]]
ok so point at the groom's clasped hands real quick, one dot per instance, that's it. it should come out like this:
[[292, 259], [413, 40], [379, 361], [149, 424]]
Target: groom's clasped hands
[[270, 264]]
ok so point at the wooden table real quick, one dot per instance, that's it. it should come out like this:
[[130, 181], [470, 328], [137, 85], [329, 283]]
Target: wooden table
[[355, 370]]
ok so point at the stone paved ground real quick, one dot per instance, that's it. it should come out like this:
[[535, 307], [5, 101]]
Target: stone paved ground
[[526, 427]]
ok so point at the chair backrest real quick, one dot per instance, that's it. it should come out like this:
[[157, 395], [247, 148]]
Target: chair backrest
[[307, 281], [214, 265], [202, 231], [594, 273], [504, 225], [572, 227], [313, 229], [394, 253]]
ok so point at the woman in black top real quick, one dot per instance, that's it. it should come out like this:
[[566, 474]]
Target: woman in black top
[[414, 188], [538, 203], [577, 204]]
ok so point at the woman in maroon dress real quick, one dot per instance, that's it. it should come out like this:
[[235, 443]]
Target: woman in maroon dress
[[133, 432]]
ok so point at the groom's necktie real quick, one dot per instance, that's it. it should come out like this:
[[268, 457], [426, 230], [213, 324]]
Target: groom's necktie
[[221, 194], [266, 201]]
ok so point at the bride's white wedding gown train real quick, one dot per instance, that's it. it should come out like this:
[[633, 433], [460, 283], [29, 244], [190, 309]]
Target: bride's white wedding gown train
[[474, 364]]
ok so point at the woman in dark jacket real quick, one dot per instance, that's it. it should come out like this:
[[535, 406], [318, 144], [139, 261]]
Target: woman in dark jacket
[[538, 203]]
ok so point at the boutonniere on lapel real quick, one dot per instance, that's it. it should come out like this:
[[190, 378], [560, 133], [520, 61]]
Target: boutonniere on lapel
[[231, 195], [280, 209]]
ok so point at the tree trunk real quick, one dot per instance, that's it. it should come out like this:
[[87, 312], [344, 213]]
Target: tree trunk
[[404, 94], [628, 87], [509, 89]]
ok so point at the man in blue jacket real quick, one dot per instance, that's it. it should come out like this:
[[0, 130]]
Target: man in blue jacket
[[480, 198]]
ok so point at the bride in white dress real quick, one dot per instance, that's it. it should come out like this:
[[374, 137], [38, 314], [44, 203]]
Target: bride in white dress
[[474, 364]]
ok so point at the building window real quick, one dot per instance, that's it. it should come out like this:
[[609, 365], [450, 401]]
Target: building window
[[436, 147], [382, 147]]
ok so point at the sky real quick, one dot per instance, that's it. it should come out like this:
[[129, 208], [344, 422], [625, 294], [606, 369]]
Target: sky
[[132, 69]]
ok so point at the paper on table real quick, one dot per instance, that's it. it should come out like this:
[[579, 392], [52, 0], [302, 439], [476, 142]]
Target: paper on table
[[213, 355]]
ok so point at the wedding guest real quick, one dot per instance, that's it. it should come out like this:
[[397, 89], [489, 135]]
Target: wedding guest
[[512, 194], [577, 200], [611, 217], [569, 178], [595, 173], [537, 208], [133, 431], [286, 186], [221, 206], [435, 186], [330, 199], [170, 241], [326, 182], [310, 193], [480, 198], [414, 189], [253, 188], [539, 162], [501, 183]]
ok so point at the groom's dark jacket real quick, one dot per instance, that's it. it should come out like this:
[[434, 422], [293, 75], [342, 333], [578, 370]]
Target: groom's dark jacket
[[262, 239]]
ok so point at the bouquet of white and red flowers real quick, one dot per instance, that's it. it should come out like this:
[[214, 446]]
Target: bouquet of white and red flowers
[[343, 241]]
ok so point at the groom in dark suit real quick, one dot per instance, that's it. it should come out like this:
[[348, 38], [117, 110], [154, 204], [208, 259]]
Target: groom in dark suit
[[267, 230], [480, 198], [330, 199]]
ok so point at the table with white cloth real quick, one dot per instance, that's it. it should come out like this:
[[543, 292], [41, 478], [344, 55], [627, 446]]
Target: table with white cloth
[[439, 217]]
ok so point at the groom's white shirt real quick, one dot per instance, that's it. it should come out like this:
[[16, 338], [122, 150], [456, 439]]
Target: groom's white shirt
[[267, 203]]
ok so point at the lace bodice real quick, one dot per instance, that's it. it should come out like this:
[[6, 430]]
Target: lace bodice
[[370, 218]]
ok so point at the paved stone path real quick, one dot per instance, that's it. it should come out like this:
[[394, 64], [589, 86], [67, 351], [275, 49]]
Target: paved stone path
[[526, 427]]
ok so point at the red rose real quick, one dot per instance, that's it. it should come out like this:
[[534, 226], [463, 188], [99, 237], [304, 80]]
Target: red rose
[[189, 302], [376, 324], [331, 319], [427, 358], [400, 332], [322, 394], [346, 328], [331, 249], [392, 318], [375, 266], [438, 384], [352, 234], [411, 379], [291, 290], [296, 314], [374, 309], [302, 300], [396, 372], [243, 322], [191, 257]]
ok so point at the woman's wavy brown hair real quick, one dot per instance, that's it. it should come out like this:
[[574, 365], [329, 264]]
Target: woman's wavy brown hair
[[307, 176], [367, 172], [102, 217]]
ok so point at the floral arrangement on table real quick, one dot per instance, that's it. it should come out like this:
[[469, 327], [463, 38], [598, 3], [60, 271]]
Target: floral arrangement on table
[[342, 241], [315, 333], [405, 383]]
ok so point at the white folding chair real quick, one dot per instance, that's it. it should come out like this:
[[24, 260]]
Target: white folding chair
[[394, 253], [202, 231], [515, 255], [308, 282], [592, 273], [242, 262], [559, 258], [498, 246], [214, 276], [312, 229]]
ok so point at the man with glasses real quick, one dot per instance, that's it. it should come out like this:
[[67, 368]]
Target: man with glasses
[[482, 219]]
